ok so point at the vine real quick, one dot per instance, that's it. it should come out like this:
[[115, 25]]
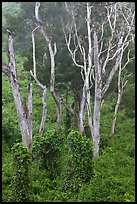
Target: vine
[[47, 149], [22, 161], [79, 165]]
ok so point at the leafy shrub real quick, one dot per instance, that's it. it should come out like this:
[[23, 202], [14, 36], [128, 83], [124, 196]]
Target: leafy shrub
[[7, 173], [78, 167], [22, 159], [47, 148], [113, 179], [128, 103]]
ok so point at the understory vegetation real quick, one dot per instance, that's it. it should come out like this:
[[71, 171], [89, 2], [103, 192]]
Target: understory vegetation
[[61, 167], [58, 173]]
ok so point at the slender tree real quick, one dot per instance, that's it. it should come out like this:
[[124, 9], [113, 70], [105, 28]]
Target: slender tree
[[43, 87], [122, 81], [52, 51], [24, 110]]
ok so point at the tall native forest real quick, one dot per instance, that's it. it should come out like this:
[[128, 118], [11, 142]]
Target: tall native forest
[[68, 102]]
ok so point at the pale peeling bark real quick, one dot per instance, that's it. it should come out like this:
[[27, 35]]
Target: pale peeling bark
[[21, 107], [90, 122], [44, 112], [52, 52], [114, 69], [97, 99], [30, 112], [115, 113], [121, 84], [56, 98], [99, 72], [81, 112], [52, 84]]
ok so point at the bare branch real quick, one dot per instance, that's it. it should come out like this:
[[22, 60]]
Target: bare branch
[[34, 59], [73, 54], [38, 82], [128, 59], [68, 107], [55, 48], [115, 15], [110, 77], [37, 5]]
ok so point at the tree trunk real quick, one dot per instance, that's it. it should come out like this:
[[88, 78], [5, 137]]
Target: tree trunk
[[81, 112], [24, 112], [90, 122], [52, 52], [89, 68], [115, 114], [120, 92], [59, 116], [30, 112], [97, 99], [56, 98], [44, 112]]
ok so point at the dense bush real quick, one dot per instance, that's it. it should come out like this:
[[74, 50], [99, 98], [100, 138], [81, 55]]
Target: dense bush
[[77, 166], [47, 149], [22, 161], [7, 173], [113, 178]]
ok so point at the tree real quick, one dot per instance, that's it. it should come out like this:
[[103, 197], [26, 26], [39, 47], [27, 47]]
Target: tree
[[24, 110], [43, 87], [110, 37], [52, 52], [122, 81]]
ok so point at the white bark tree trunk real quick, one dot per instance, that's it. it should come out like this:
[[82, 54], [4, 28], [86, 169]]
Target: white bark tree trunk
[[24, 112], [116, 112], [52, 52], [30, 112], [81, 112], [90, 122], [44, 112], [97, 99], [56, 98], [121, 85]]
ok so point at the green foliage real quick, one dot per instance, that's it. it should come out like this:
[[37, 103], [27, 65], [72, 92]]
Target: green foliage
[[113, 179], [47, 148], [67, 122], [7, 173], [128, 103], [78, 167], [10, 124], [81, 150], [22, 161]]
